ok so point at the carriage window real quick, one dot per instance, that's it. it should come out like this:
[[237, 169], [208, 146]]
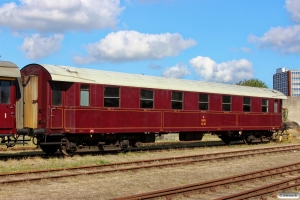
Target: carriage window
[[247, 104], [177, 100], [226, 103], [84, 95], [203, 102], [56, 94], [276, 106], [264, 105], [5, 92], [146, 99], [111, 97]]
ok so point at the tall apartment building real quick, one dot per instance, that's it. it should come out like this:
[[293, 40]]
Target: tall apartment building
[[287, 81]]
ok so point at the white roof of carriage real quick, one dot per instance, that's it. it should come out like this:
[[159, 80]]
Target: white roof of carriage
[[9, 69], [72, 74]]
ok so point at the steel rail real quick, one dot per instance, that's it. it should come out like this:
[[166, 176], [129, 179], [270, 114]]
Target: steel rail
[[186, 189], [171, 161], [18, 148], [264, 190]]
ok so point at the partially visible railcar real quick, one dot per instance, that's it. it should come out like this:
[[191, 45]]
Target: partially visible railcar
[[69, 108], [11, 104]]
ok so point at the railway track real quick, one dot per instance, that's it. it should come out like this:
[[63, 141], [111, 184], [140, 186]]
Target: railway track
[[3, 149], [283, 177], [184, 145], [157, 144], [15, 177]]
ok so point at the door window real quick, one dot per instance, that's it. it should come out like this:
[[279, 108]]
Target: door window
[[5, 92], [56, 94], [276, 106]]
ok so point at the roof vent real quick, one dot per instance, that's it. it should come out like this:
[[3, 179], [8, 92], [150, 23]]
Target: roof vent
[[71, 71]]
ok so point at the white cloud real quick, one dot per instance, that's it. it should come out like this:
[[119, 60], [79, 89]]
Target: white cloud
[[133, 46], [177, 71], [246, 49], [225, 72], [36, 47], [285, 40], [154, 66], [293, 6], [60, 15]]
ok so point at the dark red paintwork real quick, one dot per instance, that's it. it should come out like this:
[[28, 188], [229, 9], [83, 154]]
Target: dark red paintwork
[[7, 112], [70, 117]]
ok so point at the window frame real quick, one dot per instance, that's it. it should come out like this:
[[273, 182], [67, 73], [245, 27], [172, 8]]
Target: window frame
[[203, 102], [146, 99], [245, 104], [118, 98], [264, 106], [224, 104], [88, 89], [175, 101]]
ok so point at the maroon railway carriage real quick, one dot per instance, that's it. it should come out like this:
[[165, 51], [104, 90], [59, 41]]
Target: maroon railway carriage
[[69, 108]]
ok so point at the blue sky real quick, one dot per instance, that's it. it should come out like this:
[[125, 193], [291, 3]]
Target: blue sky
[[212, 40]]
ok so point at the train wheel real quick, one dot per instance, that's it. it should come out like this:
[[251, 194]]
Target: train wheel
[[226, 139], [66, 152], [138, 144], [247, 139], [49, 149], [67, 148], [124, 144], [265, 139]]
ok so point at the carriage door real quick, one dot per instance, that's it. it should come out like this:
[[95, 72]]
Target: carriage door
[[57, 106], [7, 108], [31, 102]]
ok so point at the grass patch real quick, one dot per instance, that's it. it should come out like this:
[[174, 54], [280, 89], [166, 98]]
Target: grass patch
[[39, 163]]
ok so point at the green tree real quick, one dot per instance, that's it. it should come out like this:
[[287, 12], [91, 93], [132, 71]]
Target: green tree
[[253, 82]]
